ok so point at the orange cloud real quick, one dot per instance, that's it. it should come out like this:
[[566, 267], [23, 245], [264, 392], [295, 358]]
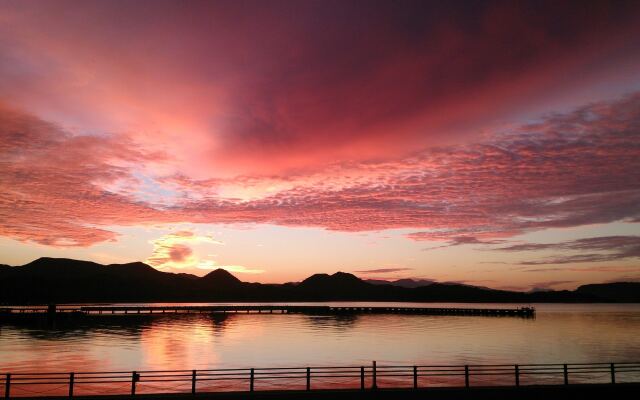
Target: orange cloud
[[173, 251]]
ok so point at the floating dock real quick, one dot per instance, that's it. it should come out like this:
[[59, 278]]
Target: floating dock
[[53, 310]]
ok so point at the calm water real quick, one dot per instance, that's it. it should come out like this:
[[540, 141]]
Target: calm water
[[559, 333]]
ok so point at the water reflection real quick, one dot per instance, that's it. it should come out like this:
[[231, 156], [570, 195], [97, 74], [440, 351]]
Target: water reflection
[[560, 333], [332, 322]]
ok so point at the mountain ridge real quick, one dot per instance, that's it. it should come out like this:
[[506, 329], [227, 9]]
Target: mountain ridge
[[61, 280]]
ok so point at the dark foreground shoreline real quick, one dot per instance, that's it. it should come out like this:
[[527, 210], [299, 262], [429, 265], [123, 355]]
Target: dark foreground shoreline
[[534, 392]]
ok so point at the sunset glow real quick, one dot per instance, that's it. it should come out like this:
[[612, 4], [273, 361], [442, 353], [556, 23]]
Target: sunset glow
[[491, 143]]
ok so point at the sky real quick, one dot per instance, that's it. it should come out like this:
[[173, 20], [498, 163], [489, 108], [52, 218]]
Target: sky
[[492, 143]]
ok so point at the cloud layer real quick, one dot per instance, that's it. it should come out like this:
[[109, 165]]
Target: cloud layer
[[52, 183], [566, 170], [594, 249]]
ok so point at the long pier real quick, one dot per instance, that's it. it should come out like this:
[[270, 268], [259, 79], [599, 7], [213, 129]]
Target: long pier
[[53, 310]]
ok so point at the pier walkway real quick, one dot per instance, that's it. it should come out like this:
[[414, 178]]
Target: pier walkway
[[51, 310]]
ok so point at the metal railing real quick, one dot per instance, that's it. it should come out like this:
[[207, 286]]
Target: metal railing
[[368, 377]]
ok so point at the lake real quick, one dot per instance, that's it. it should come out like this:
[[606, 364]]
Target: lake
[[560, 333]]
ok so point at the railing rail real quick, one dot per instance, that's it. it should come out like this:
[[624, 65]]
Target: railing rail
[[364, 377]]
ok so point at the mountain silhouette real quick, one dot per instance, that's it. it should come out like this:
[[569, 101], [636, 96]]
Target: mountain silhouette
[[61, 280], [623, 292], [222, 277], [338, 285]]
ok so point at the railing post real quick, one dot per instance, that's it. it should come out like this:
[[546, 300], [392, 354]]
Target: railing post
[[566, 374], [361, 378], [466, 376], [134, 379], [193, 382], [251, 380], [374, 384], [71, 379], [517, 371], [613, 373], [7, 386], [308, 378], [415, 377]]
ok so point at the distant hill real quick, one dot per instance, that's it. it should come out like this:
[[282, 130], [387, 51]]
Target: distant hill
[[340, 285], [222, 277], [624, 292], [60, 280]]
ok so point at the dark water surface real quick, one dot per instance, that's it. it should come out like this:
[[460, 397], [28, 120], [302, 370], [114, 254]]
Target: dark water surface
[[560, 333]]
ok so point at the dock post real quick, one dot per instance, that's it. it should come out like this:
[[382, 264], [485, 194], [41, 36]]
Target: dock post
[[466, 376], [308, 378], [134, 378], [415, 377], [251, 380], [71, 380], [566, 374], [361, 378], [51, 311], [7, 386], [193, 382], [374, 384], [517, 375], [613, 373]]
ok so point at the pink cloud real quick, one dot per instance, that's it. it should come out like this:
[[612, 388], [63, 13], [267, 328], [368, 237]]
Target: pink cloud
[[179, 252], [566, 170], [383, 270], [51, 183]]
